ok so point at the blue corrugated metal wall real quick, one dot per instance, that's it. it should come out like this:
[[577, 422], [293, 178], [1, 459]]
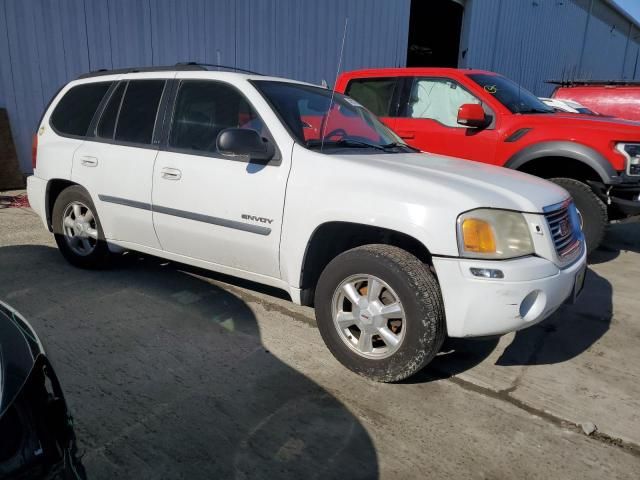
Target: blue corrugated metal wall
[[45, 43], [532, 41]]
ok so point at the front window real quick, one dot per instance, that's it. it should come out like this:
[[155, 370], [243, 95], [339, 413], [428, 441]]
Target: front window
[[205, 108], [318, 122], [510, 94], [438, 99]]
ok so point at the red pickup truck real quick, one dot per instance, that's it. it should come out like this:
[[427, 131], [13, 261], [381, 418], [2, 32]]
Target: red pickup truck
[[483, 116]]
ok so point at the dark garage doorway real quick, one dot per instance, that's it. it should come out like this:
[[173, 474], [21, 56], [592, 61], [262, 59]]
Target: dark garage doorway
[[434, 33]]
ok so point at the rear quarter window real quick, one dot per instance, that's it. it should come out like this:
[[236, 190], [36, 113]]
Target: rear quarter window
[[75, 110]]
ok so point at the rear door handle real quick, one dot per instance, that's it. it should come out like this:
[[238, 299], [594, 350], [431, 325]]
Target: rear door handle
[[171, 173], [89, 161]]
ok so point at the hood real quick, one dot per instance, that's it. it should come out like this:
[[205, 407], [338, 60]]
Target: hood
[[617, 128], [463, 184]]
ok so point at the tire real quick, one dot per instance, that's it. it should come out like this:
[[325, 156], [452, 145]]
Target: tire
[[392, 274], [72, 250], [592, 210]]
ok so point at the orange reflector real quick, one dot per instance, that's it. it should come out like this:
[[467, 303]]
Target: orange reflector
[[478, 236]]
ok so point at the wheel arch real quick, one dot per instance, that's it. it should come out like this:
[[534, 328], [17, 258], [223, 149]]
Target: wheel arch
[[330, 239], [583, 161], [54, 188]]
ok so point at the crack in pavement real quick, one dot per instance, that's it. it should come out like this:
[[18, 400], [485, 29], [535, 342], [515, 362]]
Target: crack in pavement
[[505, 396]]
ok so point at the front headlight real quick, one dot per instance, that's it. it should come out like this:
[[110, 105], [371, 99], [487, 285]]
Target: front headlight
[[493, 234], [631, 152]]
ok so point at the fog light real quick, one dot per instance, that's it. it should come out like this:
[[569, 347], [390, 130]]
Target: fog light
[[533, 305], [486, 272]]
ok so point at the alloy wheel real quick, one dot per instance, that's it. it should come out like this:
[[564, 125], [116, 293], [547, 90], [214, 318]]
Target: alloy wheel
[[368, 316], [80, 228]]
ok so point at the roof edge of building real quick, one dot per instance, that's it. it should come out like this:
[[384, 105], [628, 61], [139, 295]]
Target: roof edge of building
[[621, 10]]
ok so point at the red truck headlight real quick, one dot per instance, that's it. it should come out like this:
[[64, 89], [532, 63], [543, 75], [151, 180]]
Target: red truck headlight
[[631, 151]]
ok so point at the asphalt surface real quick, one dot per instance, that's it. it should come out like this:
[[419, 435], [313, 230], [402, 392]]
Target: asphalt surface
[[172, 372]]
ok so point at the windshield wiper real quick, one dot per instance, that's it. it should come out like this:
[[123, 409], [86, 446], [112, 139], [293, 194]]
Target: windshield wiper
[[345, 142], [399, 145], [535, 110]]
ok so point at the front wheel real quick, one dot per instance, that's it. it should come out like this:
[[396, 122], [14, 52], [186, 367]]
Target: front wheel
[[380, 312], [592, 210]]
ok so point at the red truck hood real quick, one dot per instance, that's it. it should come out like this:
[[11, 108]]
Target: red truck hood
[[617, 128]]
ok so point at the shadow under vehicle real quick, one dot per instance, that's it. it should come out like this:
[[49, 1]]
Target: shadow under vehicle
[[168, 375]]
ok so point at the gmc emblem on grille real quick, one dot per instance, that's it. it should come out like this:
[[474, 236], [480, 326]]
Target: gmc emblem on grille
[[564, 227]]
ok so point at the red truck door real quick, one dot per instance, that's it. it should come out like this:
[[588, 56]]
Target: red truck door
[[427, 119]]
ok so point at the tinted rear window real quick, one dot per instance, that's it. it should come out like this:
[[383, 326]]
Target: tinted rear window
[[375, 94], [138, 112], [74, 112]]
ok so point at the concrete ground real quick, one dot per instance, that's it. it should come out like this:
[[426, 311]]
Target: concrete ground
[[172, 372]]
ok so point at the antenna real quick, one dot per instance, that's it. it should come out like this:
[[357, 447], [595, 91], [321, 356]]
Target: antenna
[[333, 90], [520, 74]]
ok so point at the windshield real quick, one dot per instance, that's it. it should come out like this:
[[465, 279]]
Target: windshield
[[510, 94], [305, 111]]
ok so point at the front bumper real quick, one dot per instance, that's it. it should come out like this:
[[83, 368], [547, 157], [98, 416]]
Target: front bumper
[[531, 290], [622, 194]]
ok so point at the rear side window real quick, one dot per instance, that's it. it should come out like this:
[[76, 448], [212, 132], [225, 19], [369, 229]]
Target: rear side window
[[376, 94], [205, 108], [74, 112], [138, 112], [107, 125]]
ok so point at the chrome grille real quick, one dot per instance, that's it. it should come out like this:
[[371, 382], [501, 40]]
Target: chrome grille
[[565, 229]]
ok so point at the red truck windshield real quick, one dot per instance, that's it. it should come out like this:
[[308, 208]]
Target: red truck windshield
[[510, 94]]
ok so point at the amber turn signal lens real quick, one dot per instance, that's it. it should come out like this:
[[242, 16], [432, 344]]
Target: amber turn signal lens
[[477, 236]]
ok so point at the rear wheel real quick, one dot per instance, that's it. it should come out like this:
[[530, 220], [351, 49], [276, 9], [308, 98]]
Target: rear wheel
[[380, 312], [77, 229], [592, 210]]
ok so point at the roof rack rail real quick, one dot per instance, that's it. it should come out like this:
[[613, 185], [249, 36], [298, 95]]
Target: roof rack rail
[[104, 71], [572, 83], [213, 65]]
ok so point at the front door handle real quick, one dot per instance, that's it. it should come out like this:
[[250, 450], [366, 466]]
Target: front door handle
[[89, 161], [406, 134], [171, 173]]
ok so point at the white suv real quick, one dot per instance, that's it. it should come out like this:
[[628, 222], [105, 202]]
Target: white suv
[[293, 186]]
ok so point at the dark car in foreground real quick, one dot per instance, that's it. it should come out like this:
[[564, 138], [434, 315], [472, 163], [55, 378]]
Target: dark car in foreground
[[36, 433]]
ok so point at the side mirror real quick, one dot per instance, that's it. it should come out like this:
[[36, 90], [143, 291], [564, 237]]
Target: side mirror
[[472, 115], [244, 142]]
